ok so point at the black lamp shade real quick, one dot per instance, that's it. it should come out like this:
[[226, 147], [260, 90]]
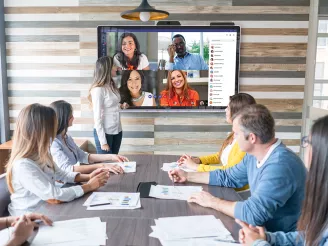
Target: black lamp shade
[[134, 14]]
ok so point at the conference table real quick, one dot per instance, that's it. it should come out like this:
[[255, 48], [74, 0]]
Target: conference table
[[132, 227]]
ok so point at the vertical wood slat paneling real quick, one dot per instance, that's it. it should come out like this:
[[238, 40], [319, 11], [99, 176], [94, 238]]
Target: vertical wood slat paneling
[[51, 50]]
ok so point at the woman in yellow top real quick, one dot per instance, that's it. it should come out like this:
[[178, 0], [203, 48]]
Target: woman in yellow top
[[230, 153]]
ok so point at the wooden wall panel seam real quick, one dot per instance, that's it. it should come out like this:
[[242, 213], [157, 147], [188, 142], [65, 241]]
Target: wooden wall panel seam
[[170, 9]]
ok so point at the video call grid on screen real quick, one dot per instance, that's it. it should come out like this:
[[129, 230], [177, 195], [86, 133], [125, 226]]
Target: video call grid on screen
[[208, 57]]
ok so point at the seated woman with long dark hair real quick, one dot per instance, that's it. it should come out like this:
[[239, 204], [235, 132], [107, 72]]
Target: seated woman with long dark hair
[[178, 92], [67, 155], [128, 56], [131, 90]]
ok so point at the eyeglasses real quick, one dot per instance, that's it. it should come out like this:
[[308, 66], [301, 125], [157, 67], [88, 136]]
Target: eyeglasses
[[305, 142], [179, 44]]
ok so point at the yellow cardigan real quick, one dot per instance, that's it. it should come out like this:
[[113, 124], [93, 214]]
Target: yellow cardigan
[[235, 156]]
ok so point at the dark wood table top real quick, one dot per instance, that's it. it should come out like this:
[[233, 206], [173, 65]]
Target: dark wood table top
[[139, 220]]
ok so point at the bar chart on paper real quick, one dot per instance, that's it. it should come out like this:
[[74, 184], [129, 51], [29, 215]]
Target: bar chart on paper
[[173, 192]]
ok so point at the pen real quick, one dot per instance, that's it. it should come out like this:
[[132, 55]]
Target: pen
[[100, 204], [226, 241]]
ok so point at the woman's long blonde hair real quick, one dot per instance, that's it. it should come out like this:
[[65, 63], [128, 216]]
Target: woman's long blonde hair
[[103, 76], [36, 128]]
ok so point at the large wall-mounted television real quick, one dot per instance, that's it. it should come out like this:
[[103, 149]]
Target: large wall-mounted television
[[163, 67]]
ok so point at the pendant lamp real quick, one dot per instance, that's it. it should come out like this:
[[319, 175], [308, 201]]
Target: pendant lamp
[[144, 12]]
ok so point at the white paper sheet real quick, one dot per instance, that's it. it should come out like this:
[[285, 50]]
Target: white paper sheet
[[173, 192], [87, 230], [185, 231], [4, 236], [188, 227], [128, 167], [100, 240], [174, 165]]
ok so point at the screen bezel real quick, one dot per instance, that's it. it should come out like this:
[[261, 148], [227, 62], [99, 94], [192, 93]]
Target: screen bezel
[[181, 29]]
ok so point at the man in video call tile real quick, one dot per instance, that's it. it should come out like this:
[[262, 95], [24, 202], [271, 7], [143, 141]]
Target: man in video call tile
[[183, 59]]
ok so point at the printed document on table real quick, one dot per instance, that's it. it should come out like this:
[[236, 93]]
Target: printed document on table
[[110, 207], [173, 192], [113, 200], [174, 165], [128, 167]]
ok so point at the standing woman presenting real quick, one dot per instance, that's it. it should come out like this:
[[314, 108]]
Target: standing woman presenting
[[105, 100]]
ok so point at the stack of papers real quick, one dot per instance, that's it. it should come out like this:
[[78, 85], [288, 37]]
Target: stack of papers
[[191, 230], [112, 200], [173, 192], [78, 232], [128, 167], [174, 165], [5, 235]]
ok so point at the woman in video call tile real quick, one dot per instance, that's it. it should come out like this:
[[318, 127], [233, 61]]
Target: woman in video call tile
[[178, 92], [131, 90], [129, 56]]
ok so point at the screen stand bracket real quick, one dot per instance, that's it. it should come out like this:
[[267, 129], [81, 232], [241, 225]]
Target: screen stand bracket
[[168, 23], [222, 24]]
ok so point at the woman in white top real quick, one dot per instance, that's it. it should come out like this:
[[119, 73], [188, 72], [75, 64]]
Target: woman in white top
[[105, 99], [129, 56], [31, 172], [131, 90], [67, 155]]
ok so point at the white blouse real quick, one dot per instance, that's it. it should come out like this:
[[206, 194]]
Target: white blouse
[[226, 152], [143, 62], [106, 106], [67, 156], [148, 99], [33, 184]]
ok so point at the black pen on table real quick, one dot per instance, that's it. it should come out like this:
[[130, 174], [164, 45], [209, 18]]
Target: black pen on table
[[100, 204]]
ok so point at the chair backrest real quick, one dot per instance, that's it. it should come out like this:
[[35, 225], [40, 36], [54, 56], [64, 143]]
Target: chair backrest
[[4, 196]]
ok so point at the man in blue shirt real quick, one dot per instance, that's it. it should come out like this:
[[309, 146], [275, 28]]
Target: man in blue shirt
[[275, 174], [183, 60]]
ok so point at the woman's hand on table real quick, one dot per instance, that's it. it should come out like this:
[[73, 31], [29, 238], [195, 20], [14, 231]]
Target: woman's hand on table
[[98, 178], [33, 217], [119, 158], [117, 169], [187, 161], [23, 229]]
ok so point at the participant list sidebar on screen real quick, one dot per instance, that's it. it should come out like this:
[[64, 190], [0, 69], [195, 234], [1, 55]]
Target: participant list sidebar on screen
[[222, 68]]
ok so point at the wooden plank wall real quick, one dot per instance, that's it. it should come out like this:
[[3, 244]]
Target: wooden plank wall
[[51, 48]]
